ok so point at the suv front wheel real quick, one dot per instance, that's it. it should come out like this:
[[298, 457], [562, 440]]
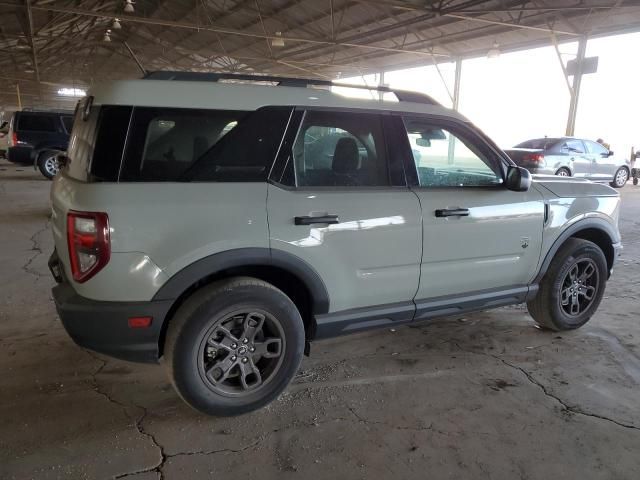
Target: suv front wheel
[[234, 346], [572, 288]]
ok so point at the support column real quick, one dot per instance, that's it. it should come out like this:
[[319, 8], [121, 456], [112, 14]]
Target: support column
[[455, 98], [19, 97], [456, 85], [381, 84], [575, 89]]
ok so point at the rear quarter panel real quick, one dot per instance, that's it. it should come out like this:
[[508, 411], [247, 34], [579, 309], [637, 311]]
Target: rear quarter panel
[[159, 228]]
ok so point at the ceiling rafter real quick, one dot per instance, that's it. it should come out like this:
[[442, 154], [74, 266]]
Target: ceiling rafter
[[323, 38]]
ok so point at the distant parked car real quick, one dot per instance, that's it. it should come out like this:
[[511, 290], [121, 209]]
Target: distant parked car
[[571, 157], [4, 139], [37, 138]]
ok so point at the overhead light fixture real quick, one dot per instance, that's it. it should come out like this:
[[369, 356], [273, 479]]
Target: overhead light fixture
[[128, 6], [116, 24], [72, 92], [277, 41], [107, 36], [29, 70], [494, 52]]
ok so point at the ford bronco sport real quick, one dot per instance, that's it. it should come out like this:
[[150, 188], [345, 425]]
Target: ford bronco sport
[[221, 227]]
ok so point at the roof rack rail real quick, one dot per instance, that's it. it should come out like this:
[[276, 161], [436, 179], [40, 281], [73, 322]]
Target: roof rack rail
[[401, 95]]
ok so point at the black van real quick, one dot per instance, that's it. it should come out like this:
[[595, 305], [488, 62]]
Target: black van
[[36, 138]]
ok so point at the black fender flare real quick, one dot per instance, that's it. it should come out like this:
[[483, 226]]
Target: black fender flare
[[587, 223], [247, 257], [40, 149]]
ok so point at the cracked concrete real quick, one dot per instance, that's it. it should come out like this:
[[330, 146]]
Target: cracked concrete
[[482, 396]]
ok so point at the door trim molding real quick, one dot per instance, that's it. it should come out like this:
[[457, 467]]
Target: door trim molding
[[366, 318]]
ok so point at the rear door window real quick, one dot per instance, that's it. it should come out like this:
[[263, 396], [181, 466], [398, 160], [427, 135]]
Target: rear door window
[[573, 146], [340, 149], [28, 122]]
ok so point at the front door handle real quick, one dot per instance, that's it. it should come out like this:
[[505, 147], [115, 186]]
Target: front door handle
[[452, 212], [330, 219]]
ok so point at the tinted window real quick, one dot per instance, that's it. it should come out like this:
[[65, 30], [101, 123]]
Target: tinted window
[[246, 153], [595, 148], [573, 146], [445, 159], [163, 143], [28, 122], [113, 122], [538, 144], [67, 121], [340, 149]]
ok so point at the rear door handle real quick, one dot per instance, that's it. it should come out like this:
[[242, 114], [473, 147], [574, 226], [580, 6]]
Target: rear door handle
[[452, 212], [330, 219]]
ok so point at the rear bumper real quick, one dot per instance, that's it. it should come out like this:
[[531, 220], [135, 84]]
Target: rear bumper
[[20, 155], [104, 326]]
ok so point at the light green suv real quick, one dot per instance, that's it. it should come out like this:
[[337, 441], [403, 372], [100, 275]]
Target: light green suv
[[222, 227]]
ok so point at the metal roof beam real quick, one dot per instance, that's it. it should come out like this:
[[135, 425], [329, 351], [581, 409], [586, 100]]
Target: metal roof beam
[[226, 31]]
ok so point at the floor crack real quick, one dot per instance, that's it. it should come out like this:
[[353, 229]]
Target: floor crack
[[35, 247], [137, 421], [565, 406]]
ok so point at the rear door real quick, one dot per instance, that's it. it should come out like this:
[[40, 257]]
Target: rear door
[[338, 200], [478, 236]]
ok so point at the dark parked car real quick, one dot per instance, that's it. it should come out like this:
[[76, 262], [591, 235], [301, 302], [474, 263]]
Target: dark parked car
[[571, 157], [37, 138]]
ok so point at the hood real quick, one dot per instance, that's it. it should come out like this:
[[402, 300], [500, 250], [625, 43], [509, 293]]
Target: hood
[[570, 187]]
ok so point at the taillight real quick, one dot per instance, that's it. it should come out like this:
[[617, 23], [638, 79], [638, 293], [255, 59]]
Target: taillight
[[13, 140], [89, 243], [534, 158]]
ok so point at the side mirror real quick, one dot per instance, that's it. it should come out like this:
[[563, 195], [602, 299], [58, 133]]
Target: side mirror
[[610, 153], [518, 179]]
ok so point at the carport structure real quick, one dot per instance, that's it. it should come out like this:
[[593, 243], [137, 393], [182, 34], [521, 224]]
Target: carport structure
[[47, 45]]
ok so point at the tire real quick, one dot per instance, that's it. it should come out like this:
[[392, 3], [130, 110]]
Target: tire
[[547, 308], [48, 163], [635, 181], [563, 172], [205, 364], [620, 178]]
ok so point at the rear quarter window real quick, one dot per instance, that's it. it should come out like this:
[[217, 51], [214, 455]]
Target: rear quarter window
[[36, 123]]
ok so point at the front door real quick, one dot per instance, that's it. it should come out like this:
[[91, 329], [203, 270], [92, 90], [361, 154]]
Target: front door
[[478, 236], [338, 201], [603, 165]]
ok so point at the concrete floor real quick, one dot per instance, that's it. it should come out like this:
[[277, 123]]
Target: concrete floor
[[485, 396]]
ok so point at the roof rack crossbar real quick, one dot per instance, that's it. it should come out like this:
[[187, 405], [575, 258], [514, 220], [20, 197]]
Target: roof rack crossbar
[[402, 95]]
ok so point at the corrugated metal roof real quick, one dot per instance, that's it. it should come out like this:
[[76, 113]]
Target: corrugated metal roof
[[47, 44]]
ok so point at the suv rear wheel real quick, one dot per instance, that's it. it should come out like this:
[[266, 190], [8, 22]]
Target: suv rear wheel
[[234, 346], [48, 163], [572, 288]]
